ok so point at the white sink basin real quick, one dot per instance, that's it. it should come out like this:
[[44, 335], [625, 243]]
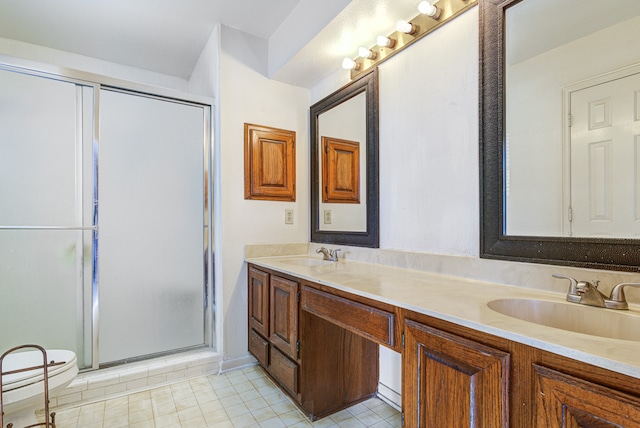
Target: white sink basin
[[307, 262], [622, 325]]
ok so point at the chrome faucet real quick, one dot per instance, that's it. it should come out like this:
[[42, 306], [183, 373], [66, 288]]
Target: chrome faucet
[[586, 293], [331, 255]]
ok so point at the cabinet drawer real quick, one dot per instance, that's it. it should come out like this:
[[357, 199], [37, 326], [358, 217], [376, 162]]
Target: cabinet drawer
[[259, 347], [372, 323], [285, 370]]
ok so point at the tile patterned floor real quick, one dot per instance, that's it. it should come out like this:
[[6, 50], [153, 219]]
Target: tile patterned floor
[[240, 398]]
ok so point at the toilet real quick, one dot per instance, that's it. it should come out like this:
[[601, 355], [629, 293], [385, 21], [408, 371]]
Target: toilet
[[23, 392]]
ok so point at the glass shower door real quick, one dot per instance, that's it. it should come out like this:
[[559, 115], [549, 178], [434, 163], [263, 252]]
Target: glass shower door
[[46, 224], [151, 226]]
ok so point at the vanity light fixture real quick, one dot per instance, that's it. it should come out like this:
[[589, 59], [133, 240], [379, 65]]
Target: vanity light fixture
[[406, 27], [428, 9], [429, 19], [385, 42], [350, 64], [366, 53]]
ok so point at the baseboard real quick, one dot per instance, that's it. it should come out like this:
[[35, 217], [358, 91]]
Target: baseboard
[[237, 363], [389, 396]]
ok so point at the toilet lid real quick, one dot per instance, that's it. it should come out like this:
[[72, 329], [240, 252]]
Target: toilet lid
[[19, 360]]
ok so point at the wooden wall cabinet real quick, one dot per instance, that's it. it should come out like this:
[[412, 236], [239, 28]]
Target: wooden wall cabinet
[[269, 163], [340, 171]]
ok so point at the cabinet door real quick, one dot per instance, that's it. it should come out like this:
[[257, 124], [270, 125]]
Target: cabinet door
[[566, 401], [284, 315], [259, 301], [452, 381]]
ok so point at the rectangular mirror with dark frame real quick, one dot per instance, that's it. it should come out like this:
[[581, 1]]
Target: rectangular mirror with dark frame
[[560, 132], [344, 165]]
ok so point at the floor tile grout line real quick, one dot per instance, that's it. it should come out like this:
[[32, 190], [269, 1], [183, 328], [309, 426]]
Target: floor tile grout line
[[214, 391]]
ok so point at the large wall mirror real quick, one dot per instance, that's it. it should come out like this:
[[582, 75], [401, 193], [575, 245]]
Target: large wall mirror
[[560, 132], [344, 165]]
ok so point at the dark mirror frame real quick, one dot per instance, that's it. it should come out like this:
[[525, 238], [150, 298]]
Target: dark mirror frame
[[599, 253], [371, 238]]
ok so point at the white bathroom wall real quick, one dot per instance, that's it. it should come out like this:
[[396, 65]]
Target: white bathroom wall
[[246, 95], [205, 76], [429, 188], [429, 143]]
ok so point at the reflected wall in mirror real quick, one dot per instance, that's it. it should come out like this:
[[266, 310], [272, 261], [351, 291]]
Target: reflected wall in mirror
[[560, 132], [344, 165], [341, 128]]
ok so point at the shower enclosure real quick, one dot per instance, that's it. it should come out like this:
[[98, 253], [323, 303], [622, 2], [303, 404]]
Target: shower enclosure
[[105, 218]]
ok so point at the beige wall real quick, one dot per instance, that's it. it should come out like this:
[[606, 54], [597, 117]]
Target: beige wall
[[246, 95]]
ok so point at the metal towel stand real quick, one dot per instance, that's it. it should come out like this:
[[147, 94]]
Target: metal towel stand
[[47, 423]]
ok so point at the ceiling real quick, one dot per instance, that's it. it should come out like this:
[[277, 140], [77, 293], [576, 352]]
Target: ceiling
[[307, 38]]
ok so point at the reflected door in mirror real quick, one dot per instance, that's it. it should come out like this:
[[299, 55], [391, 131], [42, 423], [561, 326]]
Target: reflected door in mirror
[[543, 64]]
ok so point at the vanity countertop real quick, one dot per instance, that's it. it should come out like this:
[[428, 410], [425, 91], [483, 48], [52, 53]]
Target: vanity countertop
[[463, 302]]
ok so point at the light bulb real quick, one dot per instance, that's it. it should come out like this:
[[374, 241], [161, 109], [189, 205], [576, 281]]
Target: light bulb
[[405, 27], [349, 64], [385, 42], [428, 9], [366, 53]]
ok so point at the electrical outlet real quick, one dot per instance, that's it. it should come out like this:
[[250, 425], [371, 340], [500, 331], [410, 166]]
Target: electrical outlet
[[327, 216], [288, 216]]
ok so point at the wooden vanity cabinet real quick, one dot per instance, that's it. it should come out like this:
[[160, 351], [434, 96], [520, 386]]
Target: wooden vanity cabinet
[[562, 401], [283, 315], [322, 366], [259, 301], [458, 376], [273, 326], [453, 381], [322, 348]]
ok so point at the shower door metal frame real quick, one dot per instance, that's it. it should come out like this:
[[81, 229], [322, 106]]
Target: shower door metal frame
[[96, 83]]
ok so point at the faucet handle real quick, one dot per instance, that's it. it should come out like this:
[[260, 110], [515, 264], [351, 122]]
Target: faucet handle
[[574, 293], [573, 286], [618, 299]]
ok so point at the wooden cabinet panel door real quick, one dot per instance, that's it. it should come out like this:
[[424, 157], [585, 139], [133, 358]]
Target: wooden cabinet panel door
[[566, 401], [259, 301], [453, 381], [284, 315]]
